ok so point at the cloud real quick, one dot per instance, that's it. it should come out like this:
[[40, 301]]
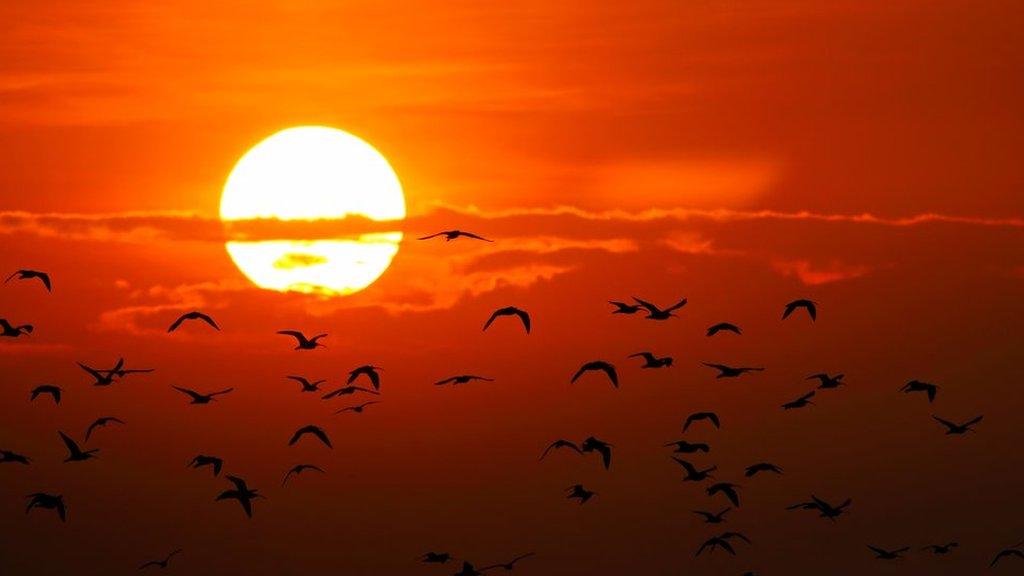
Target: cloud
[[810, 275]]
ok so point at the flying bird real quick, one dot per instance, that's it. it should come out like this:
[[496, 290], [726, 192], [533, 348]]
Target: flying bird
[[371, 372], [450, 235], [104, 377], [811, 307], [1013, 551], [100, 423], [121, 371], [510, 565], [761, 467], [941, 549], [882, 554], [692, 473], [952, 428], [684, 447], [198, 398], [652, 361], [827, 382], [6, 456], [560, 443], [436, 558], [303, 343], [310, 429], [50, 389], [26, 274], [193, 315], [47, 502], [826, 510], [203, 460], [723, 327], [299, 469], [698, 416], [729, 371], [463, 379], [578, 491], [76, 454], [598, 365], [800, 402], [592, 444], [162, 564], [11, 331], [655, 313], [726, 489], [358, 409], [242, 493], [347, 391], [523, 315], [623, 308], [307, 386], [721, 541], [918, 386], [712, 518]]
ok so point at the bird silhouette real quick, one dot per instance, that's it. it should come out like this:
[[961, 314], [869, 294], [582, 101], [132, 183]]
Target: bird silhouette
[[652, 361], [436, 558], [825, 509], [450, 235], [47, 502], [561, 443], [26, 274], [9, 330], [730, 372], [601, 366], [523, 315], [462, 379], [941, 549], [723, 327], [656, 313], [198, 398], [699, 416], [242, 493], [54, 391], [303, 343], [722, 541], [623, 308], [1011, 552], [761, 467], [358, 409], [162, 564], [307, 386], [76, 454], [811, 307], [203, 460], [101, 422], [952, 428], [121, 371], [711, 517], [684, 447], [299, 469], [510, 565], [347, 391], [800, 402], [6, 456], [193, 315], [692, 473], [883, 554], [370, 371], [316, 431], [468, 570], [105, 377], [578, 491], [918, 386], [726, 489], [591, 444], [827, 382]]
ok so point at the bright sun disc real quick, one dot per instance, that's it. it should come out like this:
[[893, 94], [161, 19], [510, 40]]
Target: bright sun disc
[[313, 173]]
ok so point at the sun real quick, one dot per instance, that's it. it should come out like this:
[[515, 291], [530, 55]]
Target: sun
[[313, 173]]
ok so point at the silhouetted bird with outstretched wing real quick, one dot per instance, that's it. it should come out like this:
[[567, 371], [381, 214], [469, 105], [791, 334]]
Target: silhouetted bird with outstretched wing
[[312, 430], [699, 416], [918, 386], [623, 308], [100, 423], [75, 453], [54, 391], [811, 307], [48, 502], [462, 379], [523, 316], [800, 402], [827, 382], [303, 343], [579, 492], [162, 564], [450, 235], [368, 370], [692, 473], [203, 460], [193, 315], [729, 371], [9, 457], [711, 517], [510, 565], [723, 327], [598, 366], [242, 493], [953, 428], [726, 489], [883, 554], [684, 447], [299, 469], [656, 313], [11, 331], [307, 386], [198, 398], [359, 408], [761, 467], [652, 361], [26, 274]]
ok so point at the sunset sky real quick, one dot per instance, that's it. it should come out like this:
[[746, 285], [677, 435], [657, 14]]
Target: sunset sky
[[864, 155]]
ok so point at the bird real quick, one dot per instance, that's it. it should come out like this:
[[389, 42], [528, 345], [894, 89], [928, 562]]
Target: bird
[[299, 469], [348, 390], [952, 428], [510, 565], [105, 377], [800, 402], [826, 510], [76, 454], [941, 549], [193, 315], [11, 331], [713, 518], [561, 443], [303, 343], [655, 313], [578, 491], [7, 456], [692, 473], [307, 386], [462, 379], [827, 382], [48, 502], [450, 235], [698, 416], [198, 398], [761, 467], [684, 447], [723, 326], [918, 386], [598, 365], [161, 563], [121, 372], [358, 409], [811, 307], [1013, 551], [882, 554], [730, 372], [50, 389], [310, 429], [468, 570], [623, 308], [726, 489], [591, 444], [716, 542], [26, 274], [242, 493], [436, 558], [203, 460], [370, 371], [652, 361], [523, 315], [101, 422]]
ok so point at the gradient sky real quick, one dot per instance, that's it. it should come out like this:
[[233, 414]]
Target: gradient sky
[[740, 154]]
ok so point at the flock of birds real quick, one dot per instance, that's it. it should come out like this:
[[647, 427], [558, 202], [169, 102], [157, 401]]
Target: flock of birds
[[245, 496]]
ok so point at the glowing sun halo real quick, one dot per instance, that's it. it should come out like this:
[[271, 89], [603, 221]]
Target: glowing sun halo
[[313, 173]]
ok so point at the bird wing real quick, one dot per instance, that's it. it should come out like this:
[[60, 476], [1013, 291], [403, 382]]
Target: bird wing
[[690, 469], [973, 421], [322, 436], [560, 443], [606, 454], [195, 395], [148, 564], [731, 494], [812, 310], [431, 236], [578, 373], [207, 319], [11, 277], [719, 367], [494, 315], [239, 483], [471, 235], [524, 316], [647, 356], [945, 423], [878, 551], [45, 278], [88, 432], [648, 305], [807, 396], [294, 334], [220, 392], [301, 380], [714, 419], [174, 325], [445, 381], [610, 371], [71, 444], [724, 544], [676, 306], [94, 373]]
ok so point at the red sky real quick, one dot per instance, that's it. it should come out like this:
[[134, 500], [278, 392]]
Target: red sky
[[738, 154]]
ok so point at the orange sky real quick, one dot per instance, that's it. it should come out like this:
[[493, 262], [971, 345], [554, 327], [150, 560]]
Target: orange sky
[[739, 154]]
